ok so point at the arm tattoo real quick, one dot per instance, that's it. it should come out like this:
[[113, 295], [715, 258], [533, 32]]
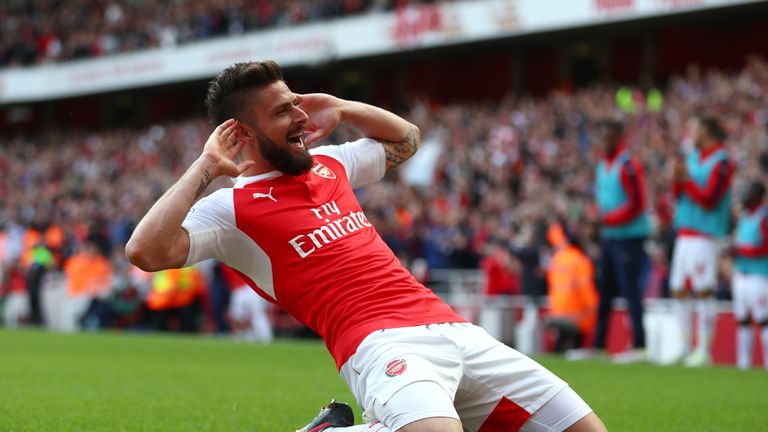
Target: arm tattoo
[[399, 151], [204, 182]]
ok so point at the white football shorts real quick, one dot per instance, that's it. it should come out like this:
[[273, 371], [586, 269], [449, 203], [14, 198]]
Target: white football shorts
[[750, 297], [457, 370], [694, 260]]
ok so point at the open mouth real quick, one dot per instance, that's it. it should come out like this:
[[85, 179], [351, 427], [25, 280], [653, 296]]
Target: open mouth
[[297, 139]]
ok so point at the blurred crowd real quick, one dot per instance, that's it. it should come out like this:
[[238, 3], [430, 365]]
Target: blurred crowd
[[507, 170], [40, 31], [504, 172]]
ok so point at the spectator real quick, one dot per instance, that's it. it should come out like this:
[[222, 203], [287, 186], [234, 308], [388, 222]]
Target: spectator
[[531, 253], [13, 296], [46, 31], [222, 282], [500, 270]]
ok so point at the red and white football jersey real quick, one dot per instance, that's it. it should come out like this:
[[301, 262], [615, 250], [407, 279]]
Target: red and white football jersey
[[304, 244]]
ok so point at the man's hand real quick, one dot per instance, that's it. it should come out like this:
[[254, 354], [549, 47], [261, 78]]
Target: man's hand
[[729, 249], [159, 242], [221, 149], [324, 113], [399, 138]]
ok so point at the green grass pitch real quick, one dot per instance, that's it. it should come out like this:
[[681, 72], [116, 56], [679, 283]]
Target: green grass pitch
[[128, 382]]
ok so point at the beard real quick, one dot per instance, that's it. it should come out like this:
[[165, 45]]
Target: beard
[[287, 158]]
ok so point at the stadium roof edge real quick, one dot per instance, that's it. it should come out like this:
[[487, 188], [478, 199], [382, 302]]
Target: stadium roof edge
[[416, 28]]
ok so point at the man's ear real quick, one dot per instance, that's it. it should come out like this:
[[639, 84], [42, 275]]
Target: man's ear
[[244, 132]]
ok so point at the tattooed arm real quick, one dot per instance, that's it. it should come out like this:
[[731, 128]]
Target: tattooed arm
[[159, 241], [400, 151], [399, 137]]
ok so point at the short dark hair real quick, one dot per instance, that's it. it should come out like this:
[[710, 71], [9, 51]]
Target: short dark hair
[[613, 126], [713, 126], [757, 188], [227, 97]]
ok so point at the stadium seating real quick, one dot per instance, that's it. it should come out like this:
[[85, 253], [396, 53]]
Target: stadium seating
[[52, 31], [502, 169]]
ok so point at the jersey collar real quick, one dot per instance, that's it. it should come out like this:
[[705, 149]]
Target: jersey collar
[[621, 148], [712, 150], [242, 181], [752, 210]]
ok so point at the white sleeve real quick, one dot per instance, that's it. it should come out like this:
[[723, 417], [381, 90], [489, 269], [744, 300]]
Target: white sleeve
[[209, 223], [364, 160]]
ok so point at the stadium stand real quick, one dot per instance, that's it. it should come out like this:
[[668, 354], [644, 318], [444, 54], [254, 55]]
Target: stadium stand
[[502, 169], [505, 165], [53, 31]]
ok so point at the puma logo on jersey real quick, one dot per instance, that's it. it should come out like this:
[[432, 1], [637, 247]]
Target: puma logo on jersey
[[323, 171], [265, 195]]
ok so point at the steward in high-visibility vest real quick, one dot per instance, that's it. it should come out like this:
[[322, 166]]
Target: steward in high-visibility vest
[[571, 285], [88, 273], [175, 288]]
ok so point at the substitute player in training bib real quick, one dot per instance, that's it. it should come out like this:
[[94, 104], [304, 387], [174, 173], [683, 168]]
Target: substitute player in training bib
[[702, 186], [750, 278], [293, 229]]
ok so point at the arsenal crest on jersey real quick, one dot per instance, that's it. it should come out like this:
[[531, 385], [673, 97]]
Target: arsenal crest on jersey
[[323, 171]]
